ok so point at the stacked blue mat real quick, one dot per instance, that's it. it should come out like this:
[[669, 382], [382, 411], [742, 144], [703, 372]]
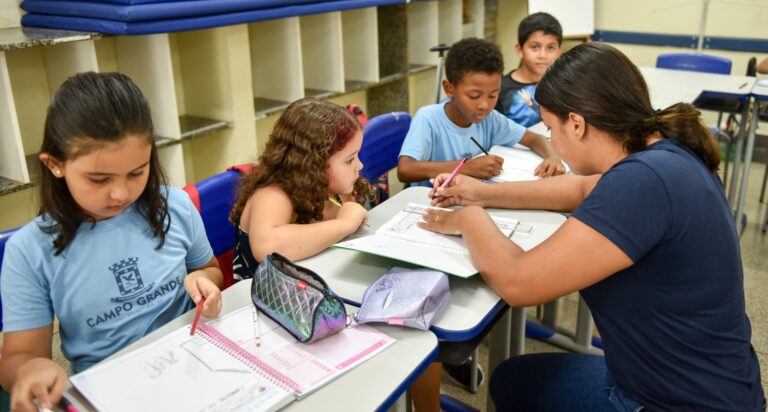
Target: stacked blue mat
[[133, 17]]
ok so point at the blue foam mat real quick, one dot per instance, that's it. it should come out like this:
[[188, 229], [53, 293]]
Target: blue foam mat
[[193, 23], [151, 11]]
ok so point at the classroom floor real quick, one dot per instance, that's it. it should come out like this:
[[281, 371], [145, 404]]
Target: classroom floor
[[754, 246], [754, 253]]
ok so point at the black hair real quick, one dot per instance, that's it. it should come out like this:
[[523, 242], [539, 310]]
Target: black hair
[[87, 111], [539, 22], [472, 55], [598, 82]]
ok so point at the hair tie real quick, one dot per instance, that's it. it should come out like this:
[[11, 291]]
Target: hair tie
[[656, 113]]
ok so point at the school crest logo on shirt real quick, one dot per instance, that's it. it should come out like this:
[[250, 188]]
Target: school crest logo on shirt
[[128, 279]]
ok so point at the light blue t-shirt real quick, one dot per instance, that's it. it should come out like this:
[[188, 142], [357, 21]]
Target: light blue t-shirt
[[433, 137], [110, 286]]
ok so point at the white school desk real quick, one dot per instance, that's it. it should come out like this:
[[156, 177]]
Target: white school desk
[[473, 303], [376, 383], [672, 86]]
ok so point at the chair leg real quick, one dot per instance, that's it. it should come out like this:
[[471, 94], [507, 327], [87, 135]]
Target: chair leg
[[762, 188], [728, 146], [473, 374]]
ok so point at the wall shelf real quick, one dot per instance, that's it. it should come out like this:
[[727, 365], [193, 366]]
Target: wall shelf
[[216, 93], [24, 37]]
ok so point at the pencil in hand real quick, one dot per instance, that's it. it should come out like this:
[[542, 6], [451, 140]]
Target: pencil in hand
[[479, 145]]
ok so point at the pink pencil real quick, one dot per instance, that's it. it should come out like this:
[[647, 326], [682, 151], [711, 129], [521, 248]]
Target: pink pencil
[[448, 180]]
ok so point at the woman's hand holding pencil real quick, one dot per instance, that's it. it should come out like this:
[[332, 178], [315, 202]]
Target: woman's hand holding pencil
[[461, 190]]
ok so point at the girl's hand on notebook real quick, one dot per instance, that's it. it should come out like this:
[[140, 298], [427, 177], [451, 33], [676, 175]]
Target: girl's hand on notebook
[[484, 167], [354, 215], [199, 285], [461, 190], [39, 379]]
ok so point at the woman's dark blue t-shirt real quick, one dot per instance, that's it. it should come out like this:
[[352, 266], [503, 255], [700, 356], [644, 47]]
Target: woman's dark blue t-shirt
[[674, 325]]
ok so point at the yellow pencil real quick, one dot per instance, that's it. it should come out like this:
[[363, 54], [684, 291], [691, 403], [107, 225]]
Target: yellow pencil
[[334, 201]]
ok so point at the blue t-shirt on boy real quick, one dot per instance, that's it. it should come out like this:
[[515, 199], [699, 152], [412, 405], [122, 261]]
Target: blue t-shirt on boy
[[433, 137]]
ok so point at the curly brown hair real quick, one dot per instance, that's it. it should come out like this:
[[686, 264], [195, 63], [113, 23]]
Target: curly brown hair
[[296, 157]]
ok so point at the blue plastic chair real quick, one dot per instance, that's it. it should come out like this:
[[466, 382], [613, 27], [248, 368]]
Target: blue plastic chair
[[382, 139], [214, 197], [4, 236], [694, 62]]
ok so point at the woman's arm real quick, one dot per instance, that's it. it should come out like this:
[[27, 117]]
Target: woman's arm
[[270, 228], [560, 193], [27, 371], [574, 257]]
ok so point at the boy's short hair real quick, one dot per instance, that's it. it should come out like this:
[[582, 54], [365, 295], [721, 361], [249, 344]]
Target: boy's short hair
[[472, 55], [539, 22]]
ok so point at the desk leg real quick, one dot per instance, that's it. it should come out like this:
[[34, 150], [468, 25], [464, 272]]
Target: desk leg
[[737, 155], [584, 326], [747, 163], [517, 346], [498, 350]]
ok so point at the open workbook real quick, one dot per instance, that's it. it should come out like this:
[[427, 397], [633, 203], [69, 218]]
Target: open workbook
[[400, 238], [221, 368], [519, 163]]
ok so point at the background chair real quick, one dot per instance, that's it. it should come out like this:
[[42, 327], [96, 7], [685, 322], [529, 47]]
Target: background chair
[[382, 138], [214, 197], [694, 62]]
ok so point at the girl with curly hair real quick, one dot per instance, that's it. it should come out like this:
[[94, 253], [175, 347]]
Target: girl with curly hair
[[301, 197]]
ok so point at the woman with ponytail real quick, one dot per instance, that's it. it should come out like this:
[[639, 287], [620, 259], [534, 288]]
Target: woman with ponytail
[[650, 245]]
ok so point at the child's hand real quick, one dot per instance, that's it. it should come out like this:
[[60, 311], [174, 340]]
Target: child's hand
[[354, 214], [551, 166], [41, 379], [484, 167], [198, 285]]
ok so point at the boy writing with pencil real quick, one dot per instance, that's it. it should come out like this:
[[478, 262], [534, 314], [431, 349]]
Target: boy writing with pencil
[[466, 125], [539, 41]]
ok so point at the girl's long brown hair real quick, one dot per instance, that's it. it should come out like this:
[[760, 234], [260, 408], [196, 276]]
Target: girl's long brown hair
[[87, 111], [296, 157]]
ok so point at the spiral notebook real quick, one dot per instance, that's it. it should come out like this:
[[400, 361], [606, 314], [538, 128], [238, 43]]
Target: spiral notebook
[[400, 238], [220, 368]]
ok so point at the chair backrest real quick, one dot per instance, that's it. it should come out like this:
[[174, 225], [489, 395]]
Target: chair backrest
[[694, 62], [4, 236], [214, 198], [752, 67], [382, 139]]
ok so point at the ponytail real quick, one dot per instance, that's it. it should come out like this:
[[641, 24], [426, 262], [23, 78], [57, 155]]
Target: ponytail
[[682, 122]]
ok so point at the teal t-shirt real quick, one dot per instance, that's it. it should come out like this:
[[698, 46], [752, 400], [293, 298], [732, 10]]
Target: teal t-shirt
[[110, 286]]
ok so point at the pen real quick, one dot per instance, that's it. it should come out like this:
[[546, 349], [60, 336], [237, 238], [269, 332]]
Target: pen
[[743, 85], [478, 145], [256, 326], [68, 406], [197, 316], [334, 201], [450, 177]]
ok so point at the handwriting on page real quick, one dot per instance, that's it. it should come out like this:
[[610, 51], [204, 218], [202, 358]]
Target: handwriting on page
[[157, 365]]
